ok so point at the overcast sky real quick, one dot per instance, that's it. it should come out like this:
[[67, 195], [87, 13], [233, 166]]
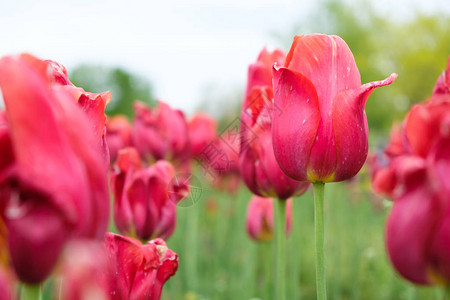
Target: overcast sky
[[181, 46]]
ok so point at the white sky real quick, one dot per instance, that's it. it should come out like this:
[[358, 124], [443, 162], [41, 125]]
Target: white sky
[[181, 46]]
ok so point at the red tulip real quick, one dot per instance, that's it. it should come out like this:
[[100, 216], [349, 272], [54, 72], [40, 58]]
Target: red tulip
[[51, 169], [260, 72], [118, 268], [202, 132], [142, 203], [118, 135], [260, 218], [258, 166], [418, 227], [160, 132], [321, 133], [138, 271], [93, 104]]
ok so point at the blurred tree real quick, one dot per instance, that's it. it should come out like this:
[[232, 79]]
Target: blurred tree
[[416, 48], [124, 86]]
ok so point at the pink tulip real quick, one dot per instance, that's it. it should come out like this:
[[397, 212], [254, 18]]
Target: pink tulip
[[442, 86], [416, 177], [258, 166], [118, 135], [321, 133], [138, 271], [119, 268], [83, 272], [260, 218], [93, 104], [51, 169], [143, 204], [202, 132], [160, 133]]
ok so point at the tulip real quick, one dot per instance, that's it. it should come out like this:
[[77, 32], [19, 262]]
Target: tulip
[[202, 132], [160, 133], [83, 272], [118, 135], [138, 271], [442, 86], [6, 284], [51, 170], [321, 134], [93, 104], [143, 206], [258, 166], [260, 218]]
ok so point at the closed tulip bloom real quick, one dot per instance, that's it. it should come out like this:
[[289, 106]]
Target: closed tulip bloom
[[118, 135], [321, 133], [258, 166], [138, 271], [52, 171], [202, 132], [260, 226], [160, 133], [142, 203]]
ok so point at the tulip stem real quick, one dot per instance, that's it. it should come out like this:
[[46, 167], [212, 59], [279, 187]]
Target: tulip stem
[[280, 286], [319, 232], [31, 292]]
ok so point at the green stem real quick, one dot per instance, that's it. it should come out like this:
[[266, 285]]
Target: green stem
[[31, 292], [191, 247], [280, 287], [319, 232], [447, 293]]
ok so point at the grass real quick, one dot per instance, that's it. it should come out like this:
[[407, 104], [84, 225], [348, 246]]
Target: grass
[[219, 261]]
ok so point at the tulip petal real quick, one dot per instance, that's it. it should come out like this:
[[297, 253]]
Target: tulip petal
[[408, 232], [294, 128], [350, 127]]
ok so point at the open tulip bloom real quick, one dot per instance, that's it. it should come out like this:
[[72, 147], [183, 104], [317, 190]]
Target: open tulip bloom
[[321, 134]]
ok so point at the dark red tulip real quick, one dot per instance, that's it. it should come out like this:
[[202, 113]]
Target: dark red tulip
[[143, 205], [260, 218], [258, 166], [138, 271], [321, 133], [202, 132], [51, 169], [118, 135], [160, 132]]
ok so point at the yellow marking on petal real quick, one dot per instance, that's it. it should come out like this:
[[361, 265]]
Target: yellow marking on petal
[[312, 177], [435, 277]]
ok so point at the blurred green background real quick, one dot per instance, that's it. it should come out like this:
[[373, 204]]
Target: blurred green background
[[217, 259]]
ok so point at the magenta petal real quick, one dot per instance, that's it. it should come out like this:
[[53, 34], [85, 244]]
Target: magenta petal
[[350, 128], [409, 227], [294, 128]]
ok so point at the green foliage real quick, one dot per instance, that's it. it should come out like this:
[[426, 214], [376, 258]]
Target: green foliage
[[416, 49], [125, 87], [231, 266]]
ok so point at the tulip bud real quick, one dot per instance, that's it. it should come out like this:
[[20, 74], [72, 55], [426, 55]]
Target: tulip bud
[[142, 204], [260, 218], [321, 134]]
